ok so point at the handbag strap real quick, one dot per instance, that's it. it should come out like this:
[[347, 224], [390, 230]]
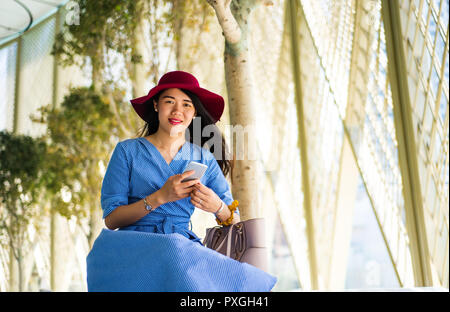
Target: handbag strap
[[209, 237], [228, 240]]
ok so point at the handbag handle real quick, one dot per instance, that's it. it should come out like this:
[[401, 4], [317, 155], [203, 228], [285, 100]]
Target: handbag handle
[[209, 236], [228, 241]]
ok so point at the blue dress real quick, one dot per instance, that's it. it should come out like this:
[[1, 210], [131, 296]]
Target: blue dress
[[159, 252]]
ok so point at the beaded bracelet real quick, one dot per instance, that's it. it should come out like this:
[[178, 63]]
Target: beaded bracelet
[[232, 208]]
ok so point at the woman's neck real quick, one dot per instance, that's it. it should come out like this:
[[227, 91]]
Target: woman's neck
[[166, 142]]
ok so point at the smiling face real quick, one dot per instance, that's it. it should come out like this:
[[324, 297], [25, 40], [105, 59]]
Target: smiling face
[[175, 111]]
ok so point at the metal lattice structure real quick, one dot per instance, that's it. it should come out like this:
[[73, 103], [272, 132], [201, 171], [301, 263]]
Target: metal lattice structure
[[31, 79], [425, 41], [346, 90]]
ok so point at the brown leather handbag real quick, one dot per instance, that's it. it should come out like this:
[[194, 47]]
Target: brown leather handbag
[[243, 241]]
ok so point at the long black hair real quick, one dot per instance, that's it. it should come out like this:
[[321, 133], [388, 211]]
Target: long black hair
[[223, 159]]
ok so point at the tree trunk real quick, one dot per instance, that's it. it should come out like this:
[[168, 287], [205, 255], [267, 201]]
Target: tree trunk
[[15, 260], [19, 260], [139, 70], [95, 211], [13, 271], [242, 118], [61, 251], [98, 65], [234, 20], [16, 274], [178, 22], [53, 259], [95, 220], [96, 74]]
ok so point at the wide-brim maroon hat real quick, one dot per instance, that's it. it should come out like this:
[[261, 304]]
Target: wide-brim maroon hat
[[212, 102]]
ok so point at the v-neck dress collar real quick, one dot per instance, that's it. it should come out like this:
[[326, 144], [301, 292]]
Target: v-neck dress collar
[[158, 153]]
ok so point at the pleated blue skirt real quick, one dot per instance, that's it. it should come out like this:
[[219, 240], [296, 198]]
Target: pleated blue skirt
[[146, 258]]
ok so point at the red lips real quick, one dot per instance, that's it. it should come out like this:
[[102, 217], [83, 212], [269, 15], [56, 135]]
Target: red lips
[[175, 121]]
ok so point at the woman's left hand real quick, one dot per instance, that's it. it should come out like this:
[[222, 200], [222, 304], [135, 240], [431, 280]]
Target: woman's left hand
[[205, 198]]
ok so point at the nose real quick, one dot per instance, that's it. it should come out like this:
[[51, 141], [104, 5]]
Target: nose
[[177, 108]]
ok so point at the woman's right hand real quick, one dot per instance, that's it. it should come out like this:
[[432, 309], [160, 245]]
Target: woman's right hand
[[174, 189]]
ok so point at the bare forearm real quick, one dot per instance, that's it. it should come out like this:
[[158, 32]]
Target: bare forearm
[[236, 218], [226, 213], [128, 214]]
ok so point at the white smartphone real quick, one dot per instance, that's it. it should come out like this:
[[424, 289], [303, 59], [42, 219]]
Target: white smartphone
[[199, 169]]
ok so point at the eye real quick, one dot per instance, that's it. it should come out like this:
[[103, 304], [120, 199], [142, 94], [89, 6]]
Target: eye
[[187, 105]]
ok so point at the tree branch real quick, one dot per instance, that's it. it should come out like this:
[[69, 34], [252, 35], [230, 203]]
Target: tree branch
[[265, 2], [230, 27], [113, 106]]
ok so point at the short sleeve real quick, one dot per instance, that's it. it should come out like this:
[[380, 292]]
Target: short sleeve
[[218, 183], [115, 186]]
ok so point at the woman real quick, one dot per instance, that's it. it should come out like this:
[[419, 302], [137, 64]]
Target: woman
[[144, 197]]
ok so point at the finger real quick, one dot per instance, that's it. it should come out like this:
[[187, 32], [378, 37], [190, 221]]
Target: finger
[[200, 195], [186, 192], [190, 183], [186, 174], [202, 188], [197, 202]]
